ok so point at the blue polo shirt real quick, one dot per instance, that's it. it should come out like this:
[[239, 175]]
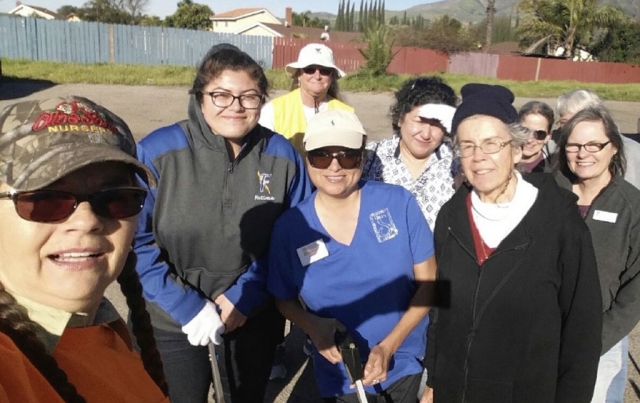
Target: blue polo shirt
[[367, 285]]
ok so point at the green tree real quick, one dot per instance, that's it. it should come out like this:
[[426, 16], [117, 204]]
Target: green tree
[[190, 15], [365, 17], [620, 44], [135, 8], [379, 51], [565, 23], [106, 11], [301, 19], [446, 35], [352, 18], [66, 10], [502, 31], [394, 20], [150, 21]]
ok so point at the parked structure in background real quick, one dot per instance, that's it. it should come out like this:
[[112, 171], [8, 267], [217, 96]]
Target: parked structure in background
[[261, 22], [240, 19], [25, 10]]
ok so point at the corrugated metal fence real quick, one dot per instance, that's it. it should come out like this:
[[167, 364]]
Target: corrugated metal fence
[[90, 42]]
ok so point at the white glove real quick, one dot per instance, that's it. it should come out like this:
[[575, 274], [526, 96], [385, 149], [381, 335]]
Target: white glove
[[205, 326]]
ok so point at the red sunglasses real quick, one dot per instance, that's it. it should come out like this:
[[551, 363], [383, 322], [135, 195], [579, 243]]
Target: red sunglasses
[[48, 205]]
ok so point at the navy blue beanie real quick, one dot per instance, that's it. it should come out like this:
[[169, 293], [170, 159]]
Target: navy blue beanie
[[484, 99]]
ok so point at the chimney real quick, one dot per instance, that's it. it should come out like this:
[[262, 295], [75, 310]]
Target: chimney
[[18, 3], [288, 16]]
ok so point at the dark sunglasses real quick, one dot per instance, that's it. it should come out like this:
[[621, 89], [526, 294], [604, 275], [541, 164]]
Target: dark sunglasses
[[48, 205], [539, 134], [322, 159], [324, 71]]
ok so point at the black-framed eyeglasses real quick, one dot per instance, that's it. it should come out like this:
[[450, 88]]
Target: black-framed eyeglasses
[[49, 205], [539, 134], [487, 147], [223, 99], [322, 159], [324, 71], [590, 147]]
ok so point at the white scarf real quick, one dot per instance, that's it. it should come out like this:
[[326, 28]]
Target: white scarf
[[496, 221]]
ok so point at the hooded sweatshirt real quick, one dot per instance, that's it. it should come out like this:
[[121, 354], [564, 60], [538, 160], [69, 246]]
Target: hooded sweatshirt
[[205, 229]]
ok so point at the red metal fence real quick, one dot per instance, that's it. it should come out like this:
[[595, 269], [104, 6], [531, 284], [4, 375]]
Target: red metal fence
[[408, 60]]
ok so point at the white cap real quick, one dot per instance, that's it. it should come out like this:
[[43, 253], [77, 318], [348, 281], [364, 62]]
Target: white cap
[[441, 112], [314, 54], [334, 128]]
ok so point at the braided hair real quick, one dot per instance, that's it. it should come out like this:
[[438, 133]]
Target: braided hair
[[16, 324], [141, 322]]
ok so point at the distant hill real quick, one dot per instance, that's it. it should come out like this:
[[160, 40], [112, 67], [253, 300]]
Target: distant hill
[[475, 10]]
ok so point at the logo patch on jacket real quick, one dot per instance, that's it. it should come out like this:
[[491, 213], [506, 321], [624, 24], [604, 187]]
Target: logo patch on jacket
[[263, 180]]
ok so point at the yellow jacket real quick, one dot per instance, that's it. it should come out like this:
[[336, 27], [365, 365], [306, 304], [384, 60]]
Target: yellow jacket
[[289, 117]]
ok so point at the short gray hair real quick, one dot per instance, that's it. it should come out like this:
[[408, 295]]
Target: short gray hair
[[519, 134], [574, 101]]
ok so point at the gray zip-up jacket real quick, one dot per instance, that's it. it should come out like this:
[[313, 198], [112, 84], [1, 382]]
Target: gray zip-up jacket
[[205, 229], [614, 222]]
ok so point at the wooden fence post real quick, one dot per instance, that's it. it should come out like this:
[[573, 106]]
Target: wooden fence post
[[112, 50]]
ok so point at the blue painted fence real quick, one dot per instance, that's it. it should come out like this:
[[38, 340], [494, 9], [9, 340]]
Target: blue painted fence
[[92, 42]]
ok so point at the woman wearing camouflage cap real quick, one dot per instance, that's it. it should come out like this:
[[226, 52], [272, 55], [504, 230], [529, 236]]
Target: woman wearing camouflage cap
[[69, 199]]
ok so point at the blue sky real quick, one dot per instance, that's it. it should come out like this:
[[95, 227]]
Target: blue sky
[[163, 8]]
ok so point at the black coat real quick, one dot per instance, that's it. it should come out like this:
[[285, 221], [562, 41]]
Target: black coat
[[524, 327]]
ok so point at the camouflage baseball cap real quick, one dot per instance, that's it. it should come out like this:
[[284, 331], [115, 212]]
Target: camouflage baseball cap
[[42, 141]]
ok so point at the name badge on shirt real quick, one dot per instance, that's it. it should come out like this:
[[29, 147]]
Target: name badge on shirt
[[605, 216], [312, 252]]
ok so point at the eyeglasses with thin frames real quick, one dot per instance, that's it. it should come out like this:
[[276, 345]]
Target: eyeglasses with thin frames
[[589, 147], [487, 147], [224, 99], [347, 159], [50, 205]]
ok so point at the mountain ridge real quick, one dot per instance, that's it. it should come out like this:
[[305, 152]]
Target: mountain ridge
[[475, 10]]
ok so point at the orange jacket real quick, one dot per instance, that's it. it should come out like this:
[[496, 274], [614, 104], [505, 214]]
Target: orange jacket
[[98, 360]]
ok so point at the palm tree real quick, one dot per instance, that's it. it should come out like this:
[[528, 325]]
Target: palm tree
[[491, 11], [565, 22], [301, 19]]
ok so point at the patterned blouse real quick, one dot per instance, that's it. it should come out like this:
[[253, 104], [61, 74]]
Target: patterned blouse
[[432, 188]]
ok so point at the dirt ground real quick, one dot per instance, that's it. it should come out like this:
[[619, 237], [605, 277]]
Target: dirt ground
[[147, 108]]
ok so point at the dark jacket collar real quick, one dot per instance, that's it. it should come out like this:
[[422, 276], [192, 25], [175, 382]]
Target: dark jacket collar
[[551, 203]]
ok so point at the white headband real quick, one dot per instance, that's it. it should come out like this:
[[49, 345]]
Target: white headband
[[441, 112]]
